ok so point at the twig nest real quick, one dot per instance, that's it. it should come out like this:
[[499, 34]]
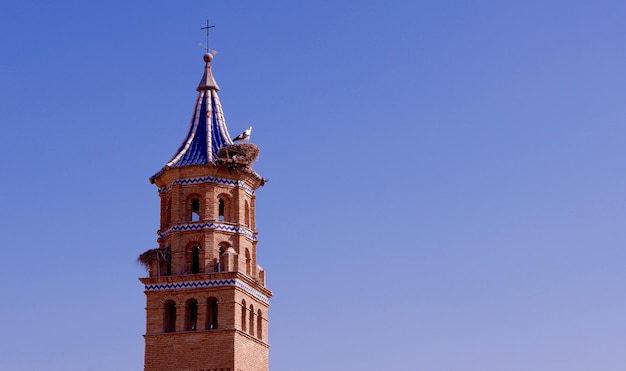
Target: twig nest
[[160, 255], [237, 156]]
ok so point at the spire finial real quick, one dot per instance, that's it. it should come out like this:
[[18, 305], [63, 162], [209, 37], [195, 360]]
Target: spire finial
[[207, 28]]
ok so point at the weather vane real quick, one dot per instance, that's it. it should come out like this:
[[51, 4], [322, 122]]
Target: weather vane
[[207, 28]]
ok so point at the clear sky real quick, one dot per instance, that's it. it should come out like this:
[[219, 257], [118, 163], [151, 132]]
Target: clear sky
[[446, 177]]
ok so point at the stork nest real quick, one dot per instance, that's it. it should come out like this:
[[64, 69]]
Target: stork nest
[[160, 255], [237, 156]]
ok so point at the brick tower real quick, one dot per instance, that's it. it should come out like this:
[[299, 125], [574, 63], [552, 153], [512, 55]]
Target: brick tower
[[207, 304]]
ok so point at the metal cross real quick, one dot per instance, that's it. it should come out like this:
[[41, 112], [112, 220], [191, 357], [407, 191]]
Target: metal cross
[[207, 28]]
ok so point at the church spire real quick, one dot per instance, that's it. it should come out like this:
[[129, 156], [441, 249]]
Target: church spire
[[206, 299], [207, 131]]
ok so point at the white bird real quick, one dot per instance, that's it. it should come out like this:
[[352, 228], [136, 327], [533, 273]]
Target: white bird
[[243, 136]]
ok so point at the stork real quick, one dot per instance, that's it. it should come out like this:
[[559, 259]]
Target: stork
[[243, 136]]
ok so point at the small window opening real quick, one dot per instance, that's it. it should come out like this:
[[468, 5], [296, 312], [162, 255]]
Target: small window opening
[[248, 262], [195, 260], [192, 315], [195, 210], [211, 314], [259, 325], [243, 315], [221, 207], [251, 327], [169, 316], [247, 214]]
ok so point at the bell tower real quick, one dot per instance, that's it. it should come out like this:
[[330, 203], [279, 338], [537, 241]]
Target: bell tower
[[207, 304]]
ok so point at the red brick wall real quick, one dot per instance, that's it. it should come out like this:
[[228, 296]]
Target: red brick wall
[[227, 348]]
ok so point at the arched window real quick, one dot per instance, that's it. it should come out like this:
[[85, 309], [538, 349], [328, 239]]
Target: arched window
[[243, 315], [195, 210], [191, 315], [211, 316], [259, 325], [251, 327], [246, 214], [223, 247], [221, 209], [248, 262], [169, 316], [195, 259]]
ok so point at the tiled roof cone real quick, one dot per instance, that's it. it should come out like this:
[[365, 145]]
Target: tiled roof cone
[[207, 131]]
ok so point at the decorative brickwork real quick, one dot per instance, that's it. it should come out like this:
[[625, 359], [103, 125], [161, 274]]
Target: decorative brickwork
[[195, 227], [211, 283], [207, 304], [208, 179]]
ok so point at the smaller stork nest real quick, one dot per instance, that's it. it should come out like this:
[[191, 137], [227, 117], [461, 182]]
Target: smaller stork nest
[[238, 156], [160, 255]]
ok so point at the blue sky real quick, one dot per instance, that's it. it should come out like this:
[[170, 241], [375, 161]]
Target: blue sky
[[446, 178]]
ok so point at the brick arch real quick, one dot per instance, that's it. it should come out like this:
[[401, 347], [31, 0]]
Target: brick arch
[[212, 313], [244, 317], [222, 246], [246, 213], [191, 314], [251, 320], [224, 205], [194, 254], [165, 299], [194, 207], [169, 315], [228, 257]]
